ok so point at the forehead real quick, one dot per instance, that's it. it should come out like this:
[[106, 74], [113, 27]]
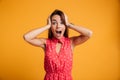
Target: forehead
[[56, 17]]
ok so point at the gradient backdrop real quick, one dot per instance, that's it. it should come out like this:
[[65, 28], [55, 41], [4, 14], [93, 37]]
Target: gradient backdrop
[[96, 59]]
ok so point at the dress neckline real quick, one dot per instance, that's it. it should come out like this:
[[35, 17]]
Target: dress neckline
[[61, 40]]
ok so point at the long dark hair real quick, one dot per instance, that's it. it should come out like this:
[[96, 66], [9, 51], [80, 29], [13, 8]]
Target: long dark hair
[[62, 16]]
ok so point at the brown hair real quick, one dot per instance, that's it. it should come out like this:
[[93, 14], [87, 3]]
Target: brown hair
[[61, 14]]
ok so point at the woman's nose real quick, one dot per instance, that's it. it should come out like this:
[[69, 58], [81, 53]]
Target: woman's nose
[[58, 25]]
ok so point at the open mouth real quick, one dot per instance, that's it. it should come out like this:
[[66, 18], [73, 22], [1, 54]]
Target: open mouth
[[58, 32]]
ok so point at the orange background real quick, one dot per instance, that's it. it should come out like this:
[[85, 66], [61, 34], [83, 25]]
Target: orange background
[[96, 59]]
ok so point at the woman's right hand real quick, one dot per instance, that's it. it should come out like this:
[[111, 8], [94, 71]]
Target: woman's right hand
[[49, 21]]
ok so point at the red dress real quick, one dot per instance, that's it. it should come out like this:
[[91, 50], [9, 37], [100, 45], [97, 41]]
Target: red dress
[[58, 66]]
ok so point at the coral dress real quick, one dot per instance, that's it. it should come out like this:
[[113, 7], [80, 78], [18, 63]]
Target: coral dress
[[58, 66]]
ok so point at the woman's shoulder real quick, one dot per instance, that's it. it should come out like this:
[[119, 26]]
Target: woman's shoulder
[[68, 38], [43, 40]]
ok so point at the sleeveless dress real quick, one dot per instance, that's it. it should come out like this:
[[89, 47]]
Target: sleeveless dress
[[58, 66]]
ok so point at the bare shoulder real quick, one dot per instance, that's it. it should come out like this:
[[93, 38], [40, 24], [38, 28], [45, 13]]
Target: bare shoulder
[[71, 41], [42, 42]]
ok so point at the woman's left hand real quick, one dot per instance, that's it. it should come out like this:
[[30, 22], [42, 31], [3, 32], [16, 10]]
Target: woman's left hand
[[66, 19]]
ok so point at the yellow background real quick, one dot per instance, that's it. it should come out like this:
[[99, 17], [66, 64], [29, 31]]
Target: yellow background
[[96, 59]]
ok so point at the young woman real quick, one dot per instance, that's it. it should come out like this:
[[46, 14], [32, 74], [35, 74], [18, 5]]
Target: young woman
[[58, 46]]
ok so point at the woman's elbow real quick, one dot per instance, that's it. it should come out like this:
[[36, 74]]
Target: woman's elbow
[[90, 34], [25, 38]]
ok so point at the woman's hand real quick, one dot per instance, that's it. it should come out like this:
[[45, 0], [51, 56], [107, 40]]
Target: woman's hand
[[66, 20], [49, 21]]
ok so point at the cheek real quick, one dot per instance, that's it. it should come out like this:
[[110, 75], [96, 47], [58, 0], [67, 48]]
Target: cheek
[[64, 28], [52, 29]]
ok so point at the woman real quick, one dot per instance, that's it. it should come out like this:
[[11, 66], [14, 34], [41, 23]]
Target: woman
[[58, 46]]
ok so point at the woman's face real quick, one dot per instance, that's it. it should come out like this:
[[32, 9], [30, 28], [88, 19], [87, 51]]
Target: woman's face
[[57, 27]]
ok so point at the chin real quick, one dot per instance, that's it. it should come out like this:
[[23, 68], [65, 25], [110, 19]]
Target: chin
[[58, 37]]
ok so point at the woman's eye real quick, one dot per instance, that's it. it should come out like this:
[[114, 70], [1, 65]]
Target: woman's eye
[[53, 23]]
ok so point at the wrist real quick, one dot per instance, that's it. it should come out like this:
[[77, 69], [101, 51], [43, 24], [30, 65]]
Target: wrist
[[70, 25], [48, 26]]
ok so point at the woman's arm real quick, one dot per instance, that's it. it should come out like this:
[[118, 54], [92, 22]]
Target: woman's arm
[[31, 36], [85, 34]]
